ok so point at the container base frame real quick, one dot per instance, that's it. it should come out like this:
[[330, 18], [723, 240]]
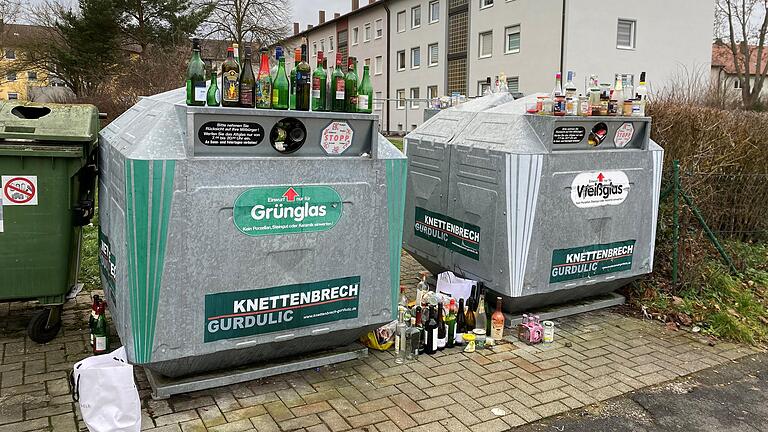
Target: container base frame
[[575, 307], [164, 387]]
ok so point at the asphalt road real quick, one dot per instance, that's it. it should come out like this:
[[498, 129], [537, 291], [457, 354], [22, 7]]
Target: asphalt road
[[726, 398]]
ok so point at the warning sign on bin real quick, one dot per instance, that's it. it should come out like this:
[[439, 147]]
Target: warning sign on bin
[[336, 138], [19, 190]]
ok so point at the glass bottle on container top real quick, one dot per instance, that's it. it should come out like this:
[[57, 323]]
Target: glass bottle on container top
[[196, 90], [365, 93], [281, 87], [264, 82], [318, 85]]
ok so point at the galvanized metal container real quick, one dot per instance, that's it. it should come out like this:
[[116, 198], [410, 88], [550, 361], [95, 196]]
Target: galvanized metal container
[[218, 249], [527, 205]]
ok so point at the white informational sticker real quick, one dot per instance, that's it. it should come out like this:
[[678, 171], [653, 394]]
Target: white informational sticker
[[19, 190], [599, 188], [1, 214], [336, 138], [624, 135]]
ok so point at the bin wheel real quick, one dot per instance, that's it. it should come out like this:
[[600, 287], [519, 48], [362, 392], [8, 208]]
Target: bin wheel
[[39, 329]]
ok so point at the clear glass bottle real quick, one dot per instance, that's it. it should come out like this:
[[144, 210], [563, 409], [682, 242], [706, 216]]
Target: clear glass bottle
[[421, 288], [480, 318], [413, 340]]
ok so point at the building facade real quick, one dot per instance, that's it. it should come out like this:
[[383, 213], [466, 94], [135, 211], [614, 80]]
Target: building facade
[[22, 83], [422, 49]]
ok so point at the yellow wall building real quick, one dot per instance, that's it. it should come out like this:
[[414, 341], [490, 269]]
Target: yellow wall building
[[16, 83]]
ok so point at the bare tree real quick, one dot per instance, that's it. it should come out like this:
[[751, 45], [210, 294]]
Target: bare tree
[[9, 13], [744, 24], [262, 22]]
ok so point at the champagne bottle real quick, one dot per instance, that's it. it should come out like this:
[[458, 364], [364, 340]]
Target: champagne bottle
[[213, 98], [196, 92], [296, 61], [350, 86], [337, 87], [274, 68], [247, 81], [442, 330], [319, 84], [365, 93], [303, 82], [264, 82], [280, 87], [450, 322], [230, 80]]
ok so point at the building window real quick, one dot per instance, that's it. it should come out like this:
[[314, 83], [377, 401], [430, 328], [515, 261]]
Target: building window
[[355, 35], [414, 98], [737, 84], [513, 39], [330, 43], [322, 45], [433, 53], [415, 58], [399, 127], [13, 96], [32, 76], [486, 4], [377, 105], [314, 48], [378, 65], [432, 92], [416, 17], [11, 76], [482, 87], [625, 37], [401, 60], [486, 44], [434, 11], [379, 28], [513, 84], [367, 32], [10, 55], [400, 99], [401, 21]]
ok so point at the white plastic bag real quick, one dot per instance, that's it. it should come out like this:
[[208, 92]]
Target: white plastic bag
[[103, 386], [454, 286]]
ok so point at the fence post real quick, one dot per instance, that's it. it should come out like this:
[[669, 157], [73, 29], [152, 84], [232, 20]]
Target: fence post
[[675, 219]]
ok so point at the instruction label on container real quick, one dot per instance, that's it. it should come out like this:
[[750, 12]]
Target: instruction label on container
[[568, 135], [287, 210], [599, 188], [458, 236], [247, 313], [588, 261], [624, 135], [336, 138], [237, 134], [19, 190], [108, 265]]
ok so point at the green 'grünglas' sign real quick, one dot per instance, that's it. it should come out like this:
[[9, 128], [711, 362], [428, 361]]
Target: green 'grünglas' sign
[[287, 210], [247, 313], [593, 260], [458, 236]]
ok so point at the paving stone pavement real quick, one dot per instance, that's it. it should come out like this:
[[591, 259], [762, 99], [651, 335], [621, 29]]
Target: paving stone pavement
[[595, 356]]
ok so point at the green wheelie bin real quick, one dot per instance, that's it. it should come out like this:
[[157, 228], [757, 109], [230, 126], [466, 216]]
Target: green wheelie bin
[[48, 169]]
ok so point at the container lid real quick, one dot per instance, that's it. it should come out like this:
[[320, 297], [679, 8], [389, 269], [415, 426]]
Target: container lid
[[48, 122]]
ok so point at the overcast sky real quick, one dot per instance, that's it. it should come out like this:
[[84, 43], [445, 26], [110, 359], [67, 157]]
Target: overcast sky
[[305, 11]]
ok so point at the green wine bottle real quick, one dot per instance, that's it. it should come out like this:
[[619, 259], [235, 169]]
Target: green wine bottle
[[247, 82], [213, 98], [303, 82], [280, 88], [337, 87], [196, 77], [365, 93], [296, 61], [318, 85], [350, 86]]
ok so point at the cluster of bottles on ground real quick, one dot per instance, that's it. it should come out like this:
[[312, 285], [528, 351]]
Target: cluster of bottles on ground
[[599, 99], [436, 321], [275, 88]]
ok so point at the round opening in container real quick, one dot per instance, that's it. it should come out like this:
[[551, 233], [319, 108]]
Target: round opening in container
[[598, 134], [288, 135]]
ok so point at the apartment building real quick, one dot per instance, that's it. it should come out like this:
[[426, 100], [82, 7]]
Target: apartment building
[[17, 83], [431, 48]]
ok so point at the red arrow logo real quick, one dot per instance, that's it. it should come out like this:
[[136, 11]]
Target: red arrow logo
[[600, 178], [291, 194]]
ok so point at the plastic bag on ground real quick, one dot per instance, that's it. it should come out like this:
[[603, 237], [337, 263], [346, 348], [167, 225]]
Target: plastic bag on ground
[[458, 288], [104, 388]]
